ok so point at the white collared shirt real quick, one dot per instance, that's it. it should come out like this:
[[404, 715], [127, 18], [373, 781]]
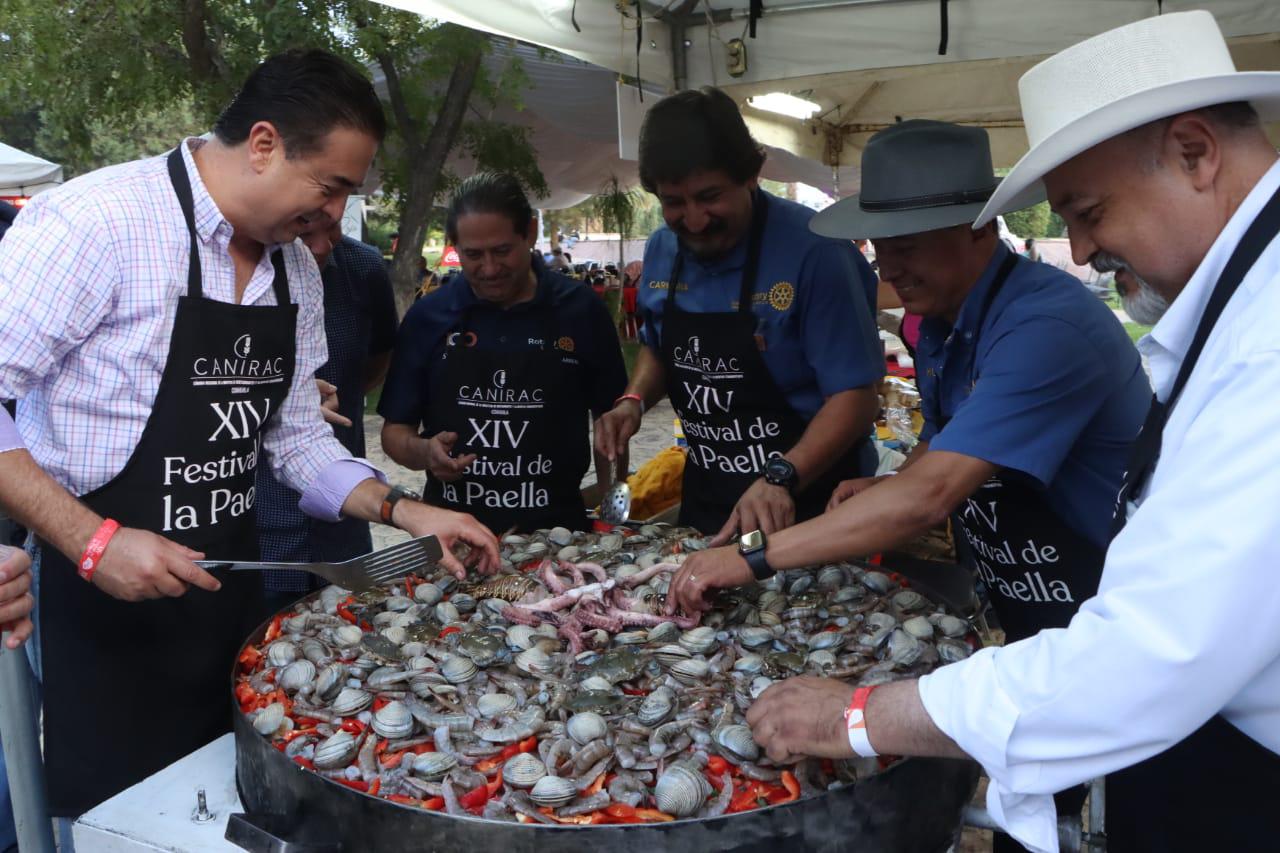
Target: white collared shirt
[[90, 277], [1186, 622]]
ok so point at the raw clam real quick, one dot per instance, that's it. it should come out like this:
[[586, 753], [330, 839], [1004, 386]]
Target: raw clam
[[681, 791], [670, 655], [433, 765], [692, 671], [699, 640], [393, 720], [523, 770], [428, 593], [553, 791], [337, 750], [348, 635], [560, 535], [329, 681], [918, 627], [282, 653], [737, 742], [296, 675], [492, 705], [664, 633], [586, 727], [656, 707], [755, 638], [269, 719], [351, 701], [904, 649], [457, 669]]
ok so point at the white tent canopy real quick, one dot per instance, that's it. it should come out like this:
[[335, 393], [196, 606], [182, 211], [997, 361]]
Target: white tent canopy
[[864, 62], [25, 174]]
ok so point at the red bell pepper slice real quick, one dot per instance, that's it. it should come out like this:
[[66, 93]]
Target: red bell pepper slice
[[351, 724], [434, 804], [355, 784], [475, 799], [529, 744], [620, 810]]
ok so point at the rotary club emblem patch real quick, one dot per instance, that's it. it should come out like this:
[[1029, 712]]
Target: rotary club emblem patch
[[781, 295], [565, 343]]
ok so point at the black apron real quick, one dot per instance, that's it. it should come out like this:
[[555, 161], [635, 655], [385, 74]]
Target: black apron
[[526, 417], [1037, 568], [131, 687], [734, 415], [1216, 788]]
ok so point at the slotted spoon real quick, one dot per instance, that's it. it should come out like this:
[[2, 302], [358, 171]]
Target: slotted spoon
[[615, 506]]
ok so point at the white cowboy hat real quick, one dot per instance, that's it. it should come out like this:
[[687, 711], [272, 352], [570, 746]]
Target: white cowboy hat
[[1122, 79]]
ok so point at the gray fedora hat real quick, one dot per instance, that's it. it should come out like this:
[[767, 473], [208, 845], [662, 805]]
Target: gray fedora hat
[[917, 176]]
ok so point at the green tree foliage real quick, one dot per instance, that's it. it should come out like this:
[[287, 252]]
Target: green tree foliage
[[1032, 222], [107, 81]]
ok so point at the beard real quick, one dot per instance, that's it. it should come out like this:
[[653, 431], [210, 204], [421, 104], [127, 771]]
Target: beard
[[1142, 303]]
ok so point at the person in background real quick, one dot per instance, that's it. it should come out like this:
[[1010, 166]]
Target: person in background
[[758, 330], [558, 262], [360, 329], [630, 292], [497, 374], [1030, 250]]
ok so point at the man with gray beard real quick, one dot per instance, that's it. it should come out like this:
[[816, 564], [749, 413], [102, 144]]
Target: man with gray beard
[[1141, 301]]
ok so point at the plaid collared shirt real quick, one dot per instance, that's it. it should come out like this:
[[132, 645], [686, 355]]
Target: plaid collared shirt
[[90, 277]]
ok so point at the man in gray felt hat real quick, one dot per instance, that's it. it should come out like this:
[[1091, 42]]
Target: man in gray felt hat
[[1030, 388]]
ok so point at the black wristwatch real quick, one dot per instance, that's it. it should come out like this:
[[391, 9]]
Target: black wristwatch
[[751, 546], [779, 472], [393, 497]]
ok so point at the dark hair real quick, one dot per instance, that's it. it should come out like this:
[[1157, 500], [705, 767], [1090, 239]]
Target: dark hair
[[1237, 115], [1029, 242], [696, 130], [489, 192], [305, 94]]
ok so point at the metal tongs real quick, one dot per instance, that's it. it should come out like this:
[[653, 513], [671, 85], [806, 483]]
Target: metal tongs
[[369, 570]]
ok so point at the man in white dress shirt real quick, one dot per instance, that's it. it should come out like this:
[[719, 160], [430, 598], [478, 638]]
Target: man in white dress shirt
[[1169, 678]]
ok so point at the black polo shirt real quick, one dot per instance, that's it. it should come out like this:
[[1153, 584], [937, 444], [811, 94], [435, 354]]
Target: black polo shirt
[[416, 367]]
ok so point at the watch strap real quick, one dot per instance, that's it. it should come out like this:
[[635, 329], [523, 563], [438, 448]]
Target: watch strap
[[389, 502]]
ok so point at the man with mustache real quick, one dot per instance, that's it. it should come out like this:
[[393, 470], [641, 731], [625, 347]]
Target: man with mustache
[[162, 327], [1150, 145], [759, 331], [1031, 391]]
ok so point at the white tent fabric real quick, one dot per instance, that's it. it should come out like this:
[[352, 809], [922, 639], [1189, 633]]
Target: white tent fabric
[[25, 174], [864, 62], [570, 107]]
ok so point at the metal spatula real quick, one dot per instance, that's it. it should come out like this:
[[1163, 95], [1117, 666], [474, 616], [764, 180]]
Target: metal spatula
[[615, 506], [372, 569]]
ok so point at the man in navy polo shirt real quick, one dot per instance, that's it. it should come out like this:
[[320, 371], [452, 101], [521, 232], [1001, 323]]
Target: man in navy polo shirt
[[760, 331], [1031, 390], [496, 373]]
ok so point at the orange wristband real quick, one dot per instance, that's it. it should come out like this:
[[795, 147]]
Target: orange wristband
[[93, 551], [855, 721], [635, 397]]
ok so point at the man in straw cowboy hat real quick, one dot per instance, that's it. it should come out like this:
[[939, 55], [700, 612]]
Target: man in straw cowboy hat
[[1032, 393], [1148, 143]]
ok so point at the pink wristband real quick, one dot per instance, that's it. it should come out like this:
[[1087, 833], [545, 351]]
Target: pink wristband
[[635, 397], [93, 551]]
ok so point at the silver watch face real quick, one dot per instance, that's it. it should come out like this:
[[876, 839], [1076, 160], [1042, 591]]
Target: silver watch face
[[751, 541]]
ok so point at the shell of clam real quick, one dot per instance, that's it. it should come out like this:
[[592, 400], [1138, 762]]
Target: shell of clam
[[553, 791], [492, 705], [337, 750], [523, 770], [296, 675], [737, 742], [351, 701], [428, 593], [269, 719], [586, 727], [680, 791], [457, 669], [393, 720], [433, 765], [699, 640]]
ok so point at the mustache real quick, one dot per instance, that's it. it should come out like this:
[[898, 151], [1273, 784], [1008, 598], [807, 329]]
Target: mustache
[[713, 227], [1107, 262]]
